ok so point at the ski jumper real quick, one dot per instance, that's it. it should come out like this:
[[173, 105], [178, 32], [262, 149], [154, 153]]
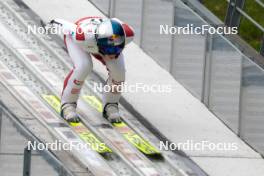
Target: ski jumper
[[81, 44]]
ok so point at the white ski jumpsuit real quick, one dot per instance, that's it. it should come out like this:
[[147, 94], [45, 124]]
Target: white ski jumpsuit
[[81, 44]]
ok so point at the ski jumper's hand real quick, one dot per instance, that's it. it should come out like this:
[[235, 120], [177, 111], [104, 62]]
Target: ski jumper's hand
[[65, 26]]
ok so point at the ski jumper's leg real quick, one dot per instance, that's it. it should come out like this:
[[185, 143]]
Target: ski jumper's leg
[[116, 72], [82, 67]]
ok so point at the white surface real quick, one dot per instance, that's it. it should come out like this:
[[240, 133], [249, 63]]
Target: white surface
[[9, 37], [178, 115], [247, 167]]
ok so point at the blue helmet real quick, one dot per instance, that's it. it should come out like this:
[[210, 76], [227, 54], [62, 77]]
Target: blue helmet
[[110, 37]]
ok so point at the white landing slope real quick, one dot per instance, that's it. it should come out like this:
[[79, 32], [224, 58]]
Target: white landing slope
[[178, 115]]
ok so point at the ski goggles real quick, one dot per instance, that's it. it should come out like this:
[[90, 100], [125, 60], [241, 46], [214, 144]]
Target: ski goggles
[[111, 50], [113, 40]]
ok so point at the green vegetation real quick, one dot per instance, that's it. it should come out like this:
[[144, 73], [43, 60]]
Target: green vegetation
[[218, 7], [247, 31]]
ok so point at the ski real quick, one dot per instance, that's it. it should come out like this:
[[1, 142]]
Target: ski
[[82, 131], [127, 132]]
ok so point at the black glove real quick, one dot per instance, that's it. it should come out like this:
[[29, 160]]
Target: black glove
[[54, 22]]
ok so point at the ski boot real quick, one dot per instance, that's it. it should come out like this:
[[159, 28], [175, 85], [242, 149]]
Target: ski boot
[[68, 112], [111, 113]]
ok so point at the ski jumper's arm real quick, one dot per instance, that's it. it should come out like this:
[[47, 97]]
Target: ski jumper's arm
[[82, 35]]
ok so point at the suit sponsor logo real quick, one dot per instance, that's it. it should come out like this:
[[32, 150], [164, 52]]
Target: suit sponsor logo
[[75, 91], [77, 82]]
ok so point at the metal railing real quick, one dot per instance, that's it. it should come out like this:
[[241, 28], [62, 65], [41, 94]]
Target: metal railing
[[234, 13], [49, 160], [53, 161], [260, 3]]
